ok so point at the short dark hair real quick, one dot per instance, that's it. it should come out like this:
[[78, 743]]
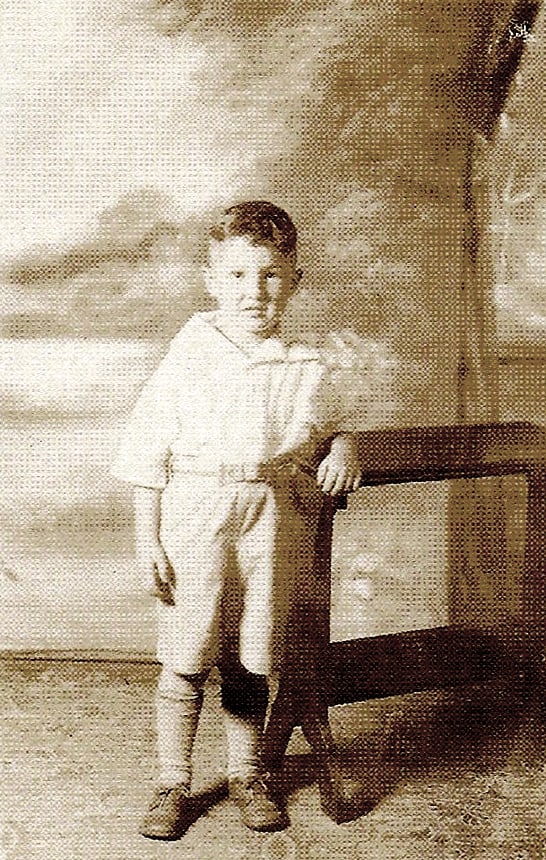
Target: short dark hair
[[261, 221]]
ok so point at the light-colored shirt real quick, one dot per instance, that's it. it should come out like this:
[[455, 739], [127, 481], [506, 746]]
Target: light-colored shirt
[[219, 405]]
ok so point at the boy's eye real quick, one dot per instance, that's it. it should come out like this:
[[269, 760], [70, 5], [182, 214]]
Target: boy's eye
[[272, 275], [238, 274]]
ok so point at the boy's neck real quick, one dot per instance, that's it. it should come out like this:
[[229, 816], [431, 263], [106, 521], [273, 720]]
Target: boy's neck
[[246, 341]]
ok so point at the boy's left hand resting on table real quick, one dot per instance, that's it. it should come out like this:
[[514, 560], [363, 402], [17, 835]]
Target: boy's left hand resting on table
[[340, 471]]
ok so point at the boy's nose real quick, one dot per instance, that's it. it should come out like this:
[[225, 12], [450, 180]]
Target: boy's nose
[[255, 286]]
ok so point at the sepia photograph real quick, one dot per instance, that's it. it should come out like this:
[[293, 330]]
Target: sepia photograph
[[273, 430]]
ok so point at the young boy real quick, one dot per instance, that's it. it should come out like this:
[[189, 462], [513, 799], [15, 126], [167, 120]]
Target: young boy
[[218, 448]]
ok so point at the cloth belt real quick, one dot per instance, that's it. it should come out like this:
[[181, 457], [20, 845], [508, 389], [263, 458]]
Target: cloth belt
[[233, 473]]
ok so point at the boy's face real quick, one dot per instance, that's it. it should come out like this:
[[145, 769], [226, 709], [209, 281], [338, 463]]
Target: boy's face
[[251, 283]]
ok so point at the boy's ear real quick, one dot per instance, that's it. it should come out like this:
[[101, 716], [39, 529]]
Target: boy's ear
[[298, 275]]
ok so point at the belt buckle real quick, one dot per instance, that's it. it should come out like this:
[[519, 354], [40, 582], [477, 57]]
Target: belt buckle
[[232, 473], [260, 473], [224, 474], [253, 472]]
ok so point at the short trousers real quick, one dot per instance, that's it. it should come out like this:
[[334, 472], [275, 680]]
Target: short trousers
[[242, 554]]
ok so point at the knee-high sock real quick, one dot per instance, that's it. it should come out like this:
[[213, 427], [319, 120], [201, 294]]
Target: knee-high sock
[[244, 704], [178, 705]]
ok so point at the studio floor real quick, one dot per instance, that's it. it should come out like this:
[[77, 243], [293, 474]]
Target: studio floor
[[447, 775]]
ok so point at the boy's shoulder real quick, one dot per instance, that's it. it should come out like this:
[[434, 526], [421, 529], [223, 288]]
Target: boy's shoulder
[[276, 350], [301, 352], [195, 326], [196, 334]]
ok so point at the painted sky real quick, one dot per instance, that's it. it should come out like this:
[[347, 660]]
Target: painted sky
[[91, 97], [101, 98], [195, 102]]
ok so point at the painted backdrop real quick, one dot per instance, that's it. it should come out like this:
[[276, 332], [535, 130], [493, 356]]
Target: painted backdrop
[[139, 120]]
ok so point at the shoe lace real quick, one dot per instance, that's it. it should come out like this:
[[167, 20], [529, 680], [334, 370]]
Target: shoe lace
[[162, 795], [258, 784]]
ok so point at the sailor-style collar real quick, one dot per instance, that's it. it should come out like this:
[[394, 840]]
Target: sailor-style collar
[[271, 351]]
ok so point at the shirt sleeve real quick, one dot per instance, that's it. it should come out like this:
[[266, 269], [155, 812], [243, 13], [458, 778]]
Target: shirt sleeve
[[356, 390], [145, 446]]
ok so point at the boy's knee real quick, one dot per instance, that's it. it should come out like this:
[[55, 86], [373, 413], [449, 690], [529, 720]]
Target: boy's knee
[[244, 694], [177, 687]]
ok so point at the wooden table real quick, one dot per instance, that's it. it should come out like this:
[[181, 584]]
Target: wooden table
[[322, 673]]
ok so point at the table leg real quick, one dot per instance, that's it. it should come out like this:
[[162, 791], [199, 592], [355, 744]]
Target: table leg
[[534, 583], [286, 713], [317, 731], [302, 697]]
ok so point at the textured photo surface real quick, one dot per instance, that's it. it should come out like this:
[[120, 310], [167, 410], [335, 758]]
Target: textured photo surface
[[407, 142]]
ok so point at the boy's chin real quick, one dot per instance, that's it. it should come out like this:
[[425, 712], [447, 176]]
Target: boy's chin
[[258, 327], [251, 326]]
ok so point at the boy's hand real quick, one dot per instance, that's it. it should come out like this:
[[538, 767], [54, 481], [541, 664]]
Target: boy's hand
[[340, 470], [156, 570], [153, 564]]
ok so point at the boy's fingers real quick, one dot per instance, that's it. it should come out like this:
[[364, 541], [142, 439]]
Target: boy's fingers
[[165, 570], [335, 483], [161, 566], [322, 471], [322, 475], [171, 578], [158, 578], [162, 589], [339, 486], [328, 481], [350, 482], [164, 594]]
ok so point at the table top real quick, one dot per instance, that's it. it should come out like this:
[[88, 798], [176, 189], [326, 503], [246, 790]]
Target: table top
[[452, 451]]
